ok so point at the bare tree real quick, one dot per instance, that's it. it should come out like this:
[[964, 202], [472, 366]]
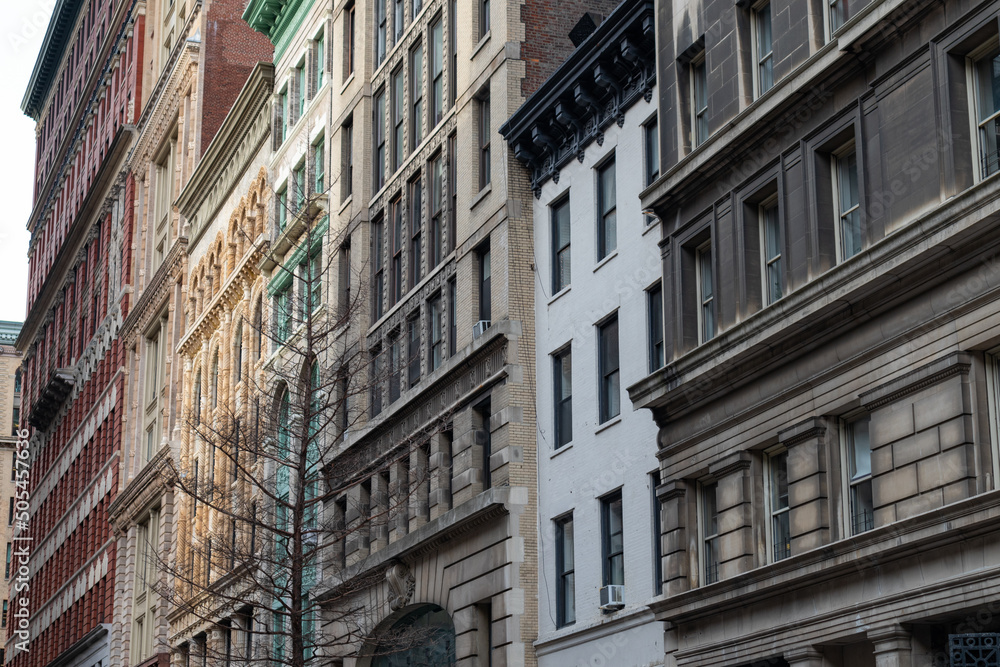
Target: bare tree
[[272, 490]]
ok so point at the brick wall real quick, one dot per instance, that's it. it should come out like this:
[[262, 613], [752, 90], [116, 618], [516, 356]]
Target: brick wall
[[231, 49]]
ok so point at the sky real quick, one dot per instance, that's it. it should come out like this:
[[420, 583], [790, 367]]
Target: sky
[[20, 39]]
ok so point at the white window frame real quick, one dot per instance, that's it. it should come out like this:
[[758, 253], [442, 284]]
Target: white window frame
[[698, 63], [972, 86], [769, 511], [703, 537], [846, 443], [703, 303], [770, 204], [758, 58], [837, 159]]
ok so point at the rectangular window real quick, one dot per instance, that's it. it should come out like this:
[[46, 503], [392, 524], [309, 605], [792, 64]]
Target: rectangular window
[[397, 20], [762, 48], [398, 116], [848, 204], [607, 342], [770, 243], [859, 475], [709, 532], [612, 540], [699, 100], [344, 278], [607, 211], [413, 349], [283, 119], [395, 367], [299, 182], [452, 319], [416, 226], [654, 482], [315, 279], [436, 315], [320, 53], [706, 293], [6, 571], [654, 301], [838, 15], [777, 505], [378, 371], [380, 31], [378, 267], [417, 6], [485, 278], [452, 191], [284, 314], [300, 85], [350, 24], [319, 167], [986, 85], [416, 96], [484, 18], [437, 71], [485, 134], [396, 268], [379, 140], [560, 245], [565, 572], [347, 160], [651, 138], [452, 50], [562, 384], [435, 252]]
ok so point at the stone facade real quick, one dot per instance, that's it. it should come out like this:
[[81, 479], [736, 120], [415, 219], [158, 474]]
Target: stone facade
[[827, 417]]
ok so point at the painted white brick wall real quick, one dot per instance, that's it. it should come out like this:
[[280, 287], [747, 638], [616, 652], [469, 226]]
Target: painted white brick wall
[[600, 458]]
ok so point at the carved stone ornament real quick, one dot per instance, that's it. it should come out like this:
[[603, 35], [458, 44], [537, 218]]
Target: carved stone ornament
[[401, 585]]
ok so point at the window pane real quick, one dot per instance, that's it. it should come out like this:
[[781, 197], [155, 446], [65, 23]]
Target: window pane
[[850, 213], [779, 481], [861, 453]]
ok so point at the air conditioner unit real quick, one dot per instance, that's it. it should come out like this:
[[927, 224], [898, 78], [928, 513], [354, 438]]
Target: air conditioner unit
[[612, 598], [479, 328]]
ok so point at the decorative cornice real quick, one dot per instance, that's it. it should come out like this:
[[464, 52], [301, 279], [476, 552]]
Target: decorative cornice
[[155, 479], [731, 464], [608, 73], [50, 55], [956, 363], [814, 427]]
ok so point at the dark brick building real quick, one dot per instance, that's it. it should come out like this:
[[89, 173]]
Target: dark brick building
[[828, 410]]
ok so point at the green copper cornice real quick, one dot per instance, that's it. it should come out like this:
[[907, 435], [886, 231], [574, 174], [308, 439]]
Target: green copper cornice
[[279, 20]]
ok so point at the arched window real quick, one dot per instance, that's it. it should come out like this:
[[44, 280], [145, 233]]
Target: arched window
[[215, 380], [424, 636], [238, 352]]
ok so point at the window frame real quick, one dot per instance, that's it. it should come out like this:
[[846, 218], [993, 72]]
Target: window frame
[[762, 62], [436, 71], [397, 117], [565, 577], [485, 136], [851, 482], [559, 281], [708, 549], [840, 170], [707, 330], [983, 52], [562, 400], [768, 212], [416, 59], [776, 515], [609, 378], [655, 329], [608, 553], [698, 75], [607, 211], [379, 139]]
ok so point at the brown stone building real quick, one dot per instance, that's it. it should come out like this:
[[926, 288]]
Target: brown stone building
[[828, 410]]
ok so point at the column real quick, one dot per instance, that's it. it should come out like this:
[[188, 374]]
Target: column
[[809, 518], [892, 646]]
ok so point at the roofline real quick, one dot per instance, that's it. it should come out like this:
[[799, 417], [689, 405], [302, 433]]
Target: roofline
[[53, 46]]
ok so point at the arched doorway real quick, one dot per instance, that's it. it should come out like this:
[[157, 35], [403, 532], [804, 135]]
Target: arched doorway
[[423, 637]]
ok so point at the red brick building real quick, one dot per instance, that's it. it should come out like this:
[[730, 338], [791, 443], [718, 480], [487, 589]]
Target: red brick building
[[84, 93]]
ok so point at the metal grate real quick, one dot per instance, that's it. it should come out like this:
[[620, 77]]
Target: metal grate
[[974, 650]]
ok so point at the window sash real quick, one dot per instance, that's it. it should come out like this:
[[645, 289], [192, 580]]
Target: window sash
[[561, 233], [859, 476], [762, 48], [417, 95], [484, 142], [610, 391], [562, 376], [709, 527], [607, 233], [699, 101], [565, 573], [778, 507], [848, 205], [771, 248], [656, 349], [706, 295], [437, 72], [612, 541]]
